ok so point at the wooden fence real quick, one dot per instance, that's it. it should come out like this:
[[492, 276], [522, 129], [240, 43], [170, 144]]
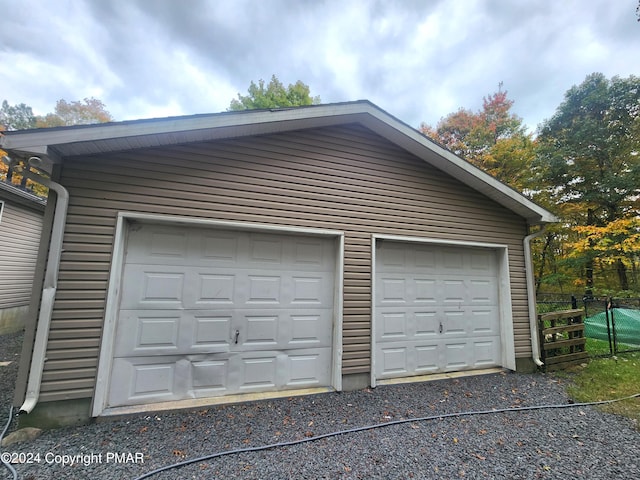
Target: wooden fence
[[562, 340]]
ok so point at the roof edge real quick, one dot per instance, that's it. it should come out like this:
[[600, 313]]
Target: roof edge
[[145, 133]]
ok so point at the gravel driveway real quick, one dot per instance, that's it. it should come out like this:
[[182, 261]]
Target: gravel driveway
[[576, 442]]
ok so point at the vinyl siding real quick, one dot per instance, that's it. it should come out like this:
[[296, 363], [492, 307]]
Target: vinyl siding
[[19, 239], [340, 178]]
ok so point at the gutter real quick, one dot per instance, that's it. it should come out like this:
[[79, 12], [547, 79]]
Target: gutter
[[48, 292], [531, 296]]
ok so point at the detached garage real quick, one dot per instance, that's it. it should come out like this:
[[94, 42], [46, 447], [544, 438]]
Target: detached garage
[[244, 255]]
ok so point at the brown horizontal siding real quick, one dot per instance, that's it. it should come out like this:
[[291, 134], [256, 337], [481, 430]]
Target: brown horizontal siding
[[19, 239], [344, 179]]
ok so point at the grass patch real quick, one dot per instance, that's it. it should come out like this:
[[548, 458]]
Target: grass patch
[[609, 378], [597, 348]]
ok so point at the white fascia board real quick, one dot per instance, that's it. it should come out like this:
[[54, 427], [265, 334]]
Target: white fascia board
[[251, 120]]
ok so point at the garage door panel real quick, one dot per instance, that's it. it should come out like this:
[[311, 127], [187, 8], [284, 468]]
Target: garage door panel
[[393, 290], [259, 373], [394, 361], [287, 330], [308, 330], [261, 332], [139, 332], [427, 323], [214, 289], [457, 356], [140, 381], [427, 359], [475, 353], [217, 248], [209, 377], [145, 332], [407, 323], [402, 359], [425, 290], [393, 325], [309, 291], [487, 352], [483, 322], [152, 287], [210, 332], [264, 290], [455, 323]]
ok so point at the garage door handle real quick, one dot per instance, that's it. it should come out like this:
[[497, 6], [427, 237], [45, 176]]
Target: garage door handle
[[440, 327], [235, 340]]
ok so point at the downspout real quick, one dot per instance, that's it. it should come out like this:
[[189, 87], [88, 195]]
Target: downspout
[[48, 292], [531, 296]]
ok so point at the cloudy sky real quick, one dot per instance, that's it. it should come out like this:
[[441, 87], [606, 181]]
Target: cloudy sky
[[417, 59]]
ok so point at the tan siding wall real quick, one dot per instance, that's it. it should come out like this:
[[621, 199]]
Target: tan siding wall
[[19, 239], [338, 178]]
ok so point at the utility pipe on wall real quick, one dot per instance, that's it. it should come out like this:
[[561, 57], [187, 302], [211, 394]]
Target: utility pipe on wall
[[48, 291], [531, 296]]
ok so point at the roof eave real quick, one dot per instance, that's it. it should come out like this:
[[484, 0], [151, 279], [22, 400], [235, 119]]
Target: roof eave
[[117, 136]]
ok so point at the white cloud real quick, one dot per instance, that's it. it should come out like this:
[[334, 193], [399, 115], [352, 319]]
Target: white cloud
[[418, 60]]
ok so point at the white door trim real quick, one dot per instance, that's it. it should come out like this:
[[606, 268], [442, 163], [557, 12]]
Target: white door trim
[[105, 359], [504, 292]]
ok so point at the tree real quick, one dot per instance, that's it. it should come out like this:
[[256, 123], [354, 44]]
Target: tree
[[589, 157], [88, 111], [274, 95], [16, 117], [20, 117], [13, 117], [493, 138]]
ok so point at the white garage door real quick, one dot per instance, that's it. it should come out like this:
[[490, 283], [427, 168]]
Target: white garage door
[[436, 309], [207, 312]]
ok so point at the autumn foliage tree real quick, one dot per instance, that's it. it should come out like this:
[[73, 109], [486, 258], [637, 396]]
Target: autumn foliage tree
[[588, 163], [21, 117], [85, 112], [493, 138]]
